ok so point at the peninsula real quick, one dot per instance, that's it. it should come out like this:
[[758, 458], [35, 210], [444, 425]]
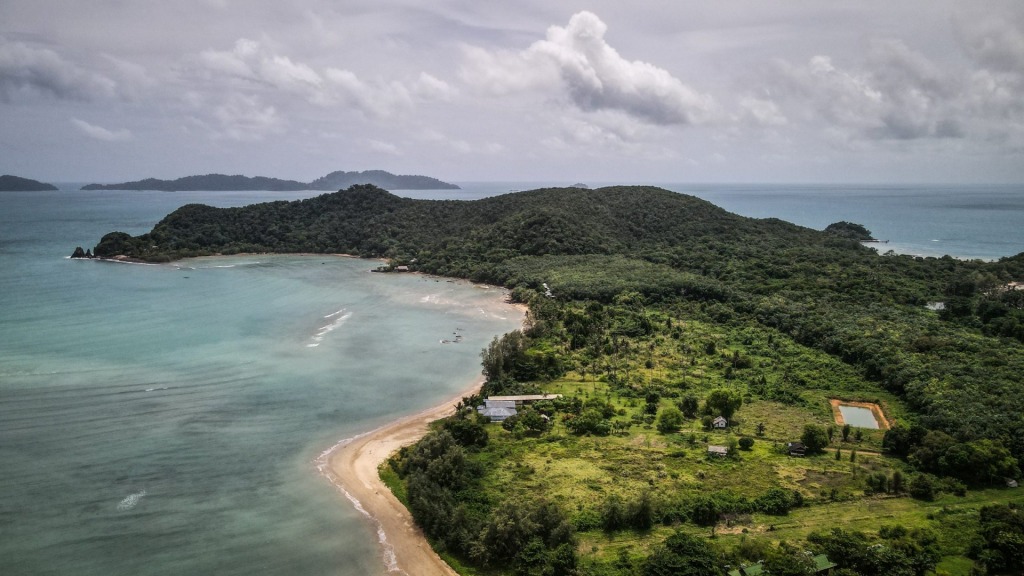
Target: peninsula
[[689, 364], [10, 183], [330, 182]]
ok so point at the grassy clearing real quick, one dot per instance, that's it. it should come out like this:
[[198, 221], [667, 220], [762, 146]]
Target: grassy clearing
[[950, 517], [783, 386]]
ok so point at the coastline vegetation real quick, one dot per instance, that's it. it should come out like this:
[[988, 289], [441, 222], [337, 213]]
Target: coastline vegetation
[[652, 313]]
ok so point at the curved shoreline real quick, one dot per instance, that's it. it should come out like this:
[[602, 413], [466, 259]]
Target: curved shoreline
[[351, 465]]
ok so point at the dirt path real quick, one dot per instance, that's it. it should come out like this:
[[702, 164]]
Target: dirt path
[[352, 466]]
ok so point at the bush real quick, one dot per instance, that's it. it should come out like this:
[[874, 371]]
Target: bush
[[922, 487], [669, 420], [468, 431], [814, 438], [589, 421], [689, 405], [682, 555], [704, 511], [746, 443], [778, 501]]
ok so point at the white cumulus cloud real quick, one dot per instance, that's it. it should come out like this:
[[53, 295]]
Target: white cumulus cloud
[[578, 63], [257, 67]]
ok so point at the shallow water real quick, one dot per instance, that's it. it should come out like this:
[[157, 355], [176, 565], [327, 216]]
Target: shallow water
[[858, 417], [166, 419]]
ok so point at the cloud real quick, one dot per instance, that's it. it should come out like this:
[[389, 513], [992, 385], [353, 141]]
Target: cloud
[[246, 118], [994, 39], [249, 61], [430, 88], [378, 100], [762, 112], [256, 67], [577, 63], [385, 147], [101, 133], [27, 71], [897, 94]]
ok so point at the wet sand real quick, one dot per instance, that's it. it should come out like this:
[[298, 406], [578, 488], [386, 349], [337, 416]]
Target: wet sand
[[352, 466]]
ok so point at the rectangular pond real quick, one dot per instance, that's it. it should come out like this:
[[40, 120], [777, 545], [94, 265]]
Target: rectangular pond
[[858, 417]]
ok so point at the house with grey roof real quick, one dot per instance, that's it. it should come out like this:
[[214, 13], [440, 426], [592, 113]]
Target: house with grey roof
[[497, 410]]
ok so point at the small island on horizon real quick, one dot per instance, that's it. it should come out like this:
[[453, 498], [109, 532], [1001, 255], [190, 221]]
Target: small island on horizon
[[331, 182], [10, 183]]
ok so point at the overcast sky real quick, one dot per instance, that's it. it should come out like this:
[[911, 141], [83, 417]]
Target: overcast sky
[[534, 90]]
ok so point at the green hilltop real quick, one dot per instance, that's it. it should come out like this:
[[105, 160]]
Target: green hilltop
[[653, 312]]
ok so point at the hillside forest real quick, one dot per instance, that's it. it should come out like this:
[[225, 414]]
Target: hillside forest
[[691, 349]]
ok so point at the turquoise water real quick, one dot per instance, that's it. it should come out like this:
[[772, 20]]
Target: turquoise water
[[858, 417], [166, 419]]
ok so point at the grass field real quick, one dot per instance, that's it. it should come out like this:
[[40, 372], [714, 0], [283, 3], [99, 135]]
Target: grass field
[[784, 387]]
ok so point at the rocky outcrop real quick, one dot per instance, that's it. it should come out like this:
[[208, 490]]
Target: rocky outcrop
[[79, 253]]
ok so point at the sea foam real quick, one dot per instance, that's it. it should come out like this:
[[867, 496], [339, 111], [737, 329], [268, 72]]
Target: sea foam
[[322, 464], [130, 501], [338, 317]]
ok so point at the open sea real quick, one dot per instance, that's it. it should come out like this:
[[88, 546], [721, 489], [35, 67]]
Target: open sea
[[167, 419]]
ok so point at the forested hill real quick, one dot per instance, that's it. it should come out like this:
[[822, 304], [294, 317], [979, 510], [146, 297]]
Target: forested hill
[[10, 183], [461, 237], [332, 181], [213, 182], [340, 180], [677, 239]]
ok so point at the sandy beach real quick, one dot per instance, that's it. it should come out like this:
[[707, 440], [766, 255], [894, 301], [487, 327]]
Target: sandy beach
[[352, 467]]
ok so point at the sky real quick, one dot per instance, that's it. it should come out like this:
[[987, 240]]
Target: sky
[[916, 91]]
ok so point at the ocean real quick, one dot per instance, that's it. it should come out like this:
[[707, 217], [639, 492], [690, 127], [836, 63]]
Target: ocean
[[166, 419]]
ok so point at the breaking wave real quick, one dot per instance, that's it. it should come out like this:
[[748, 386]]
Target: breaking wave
[[337, 319]]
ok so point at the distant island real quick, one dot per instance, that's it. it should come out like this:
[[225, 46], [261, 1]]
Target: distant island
[[331, 182], [10, 183], [379, 178]]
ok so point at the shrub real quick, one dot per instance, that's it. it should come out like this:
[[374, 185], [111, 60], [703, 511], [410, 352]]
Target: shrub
[[922, 487], [814, 438], [589, 421], [669, 420], [778, 501]]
